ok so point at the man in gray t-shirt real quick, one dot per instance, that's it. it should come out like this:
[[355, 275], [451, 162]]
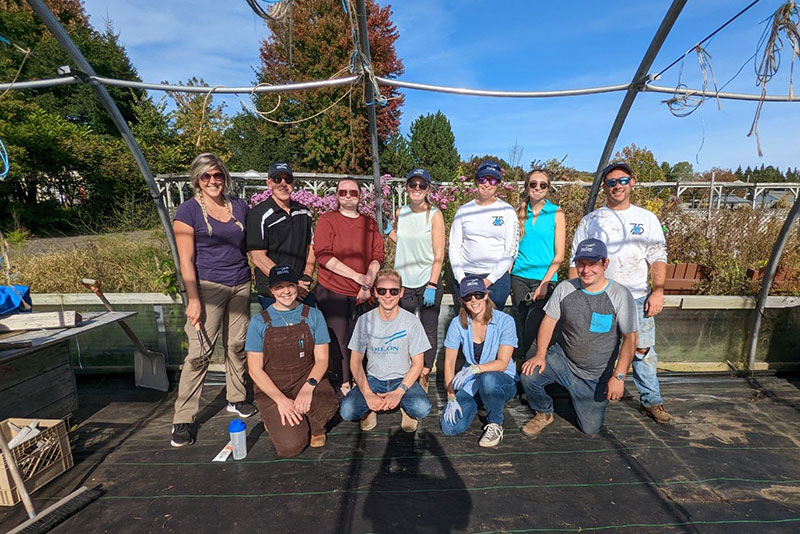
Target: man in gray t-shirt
[[393, 341], [593, 312]]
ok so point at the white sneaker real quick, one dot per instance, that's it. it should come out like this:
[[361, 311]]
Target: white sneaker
[[492, 435]]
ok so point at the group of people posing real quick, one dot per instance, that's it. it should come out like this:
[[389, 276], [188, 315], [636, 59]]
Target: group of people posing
[[364, 339]]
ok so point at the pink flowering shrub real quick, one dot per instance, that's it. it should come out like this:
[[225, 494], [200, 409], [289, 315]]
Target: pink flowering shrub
[[323, 204]]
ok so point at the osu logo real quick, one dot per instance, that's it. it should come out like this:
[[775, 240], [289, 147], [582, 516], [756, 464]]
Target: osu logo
[[498, 221], [637, 228]]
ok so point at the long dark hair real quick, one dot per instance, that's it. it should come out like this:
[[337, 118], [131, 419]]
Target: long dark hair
[[522, 210]]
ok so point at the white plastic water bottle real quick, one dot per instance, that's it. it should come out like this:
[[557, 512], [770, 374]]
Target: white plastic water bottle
[[238, 438]]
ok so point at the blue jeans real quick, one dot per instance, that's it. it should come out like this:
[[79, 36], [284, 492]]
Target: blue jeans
[[415, 402], [498, 292], [588, 396], [494, 390], [645, 365], [266, 302]]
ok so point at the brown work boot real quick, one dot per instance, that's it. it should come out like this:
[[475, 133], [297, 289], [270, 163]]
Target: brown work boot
[[537, 424], [369, 421], [318, 441], [424, 380], [408, 423], [658, 414]]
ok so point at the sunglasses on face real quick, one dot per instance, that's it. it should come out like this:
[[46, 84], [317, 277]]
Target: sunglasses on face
[[343, 193], [393, 291], [491, 181], [541, 185], [218, 176], [282, 178], [477, 295], [625, 180], [417, 184]]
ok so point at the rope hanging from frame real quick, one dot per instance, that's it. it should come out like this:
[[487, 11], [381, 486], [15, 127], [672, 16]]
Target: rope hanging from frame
[[783, 25]]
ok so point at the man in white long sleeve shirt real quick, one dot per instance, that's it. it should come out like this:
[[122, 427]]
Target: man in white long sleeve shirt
[[484, 236], [636, 250]]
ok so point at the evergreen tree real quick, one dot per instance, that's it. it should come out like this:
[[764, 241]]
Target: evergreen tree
[[396, 158], [433, 146]]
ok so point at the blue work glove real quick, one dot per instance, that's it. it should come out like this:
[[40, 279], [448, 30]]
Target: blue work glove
[[429, 297], [463, 377], [388, 228], [450, 411]]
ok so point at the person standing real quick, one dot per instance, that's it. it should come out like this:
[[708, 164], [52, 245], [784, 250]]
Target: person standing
[[420, 237], [542, 230], [210, 235], [484, 236], [594, 313], [637, 251], [279, 231], [287, 356], [393, 341], [349, 249], [487, 337]]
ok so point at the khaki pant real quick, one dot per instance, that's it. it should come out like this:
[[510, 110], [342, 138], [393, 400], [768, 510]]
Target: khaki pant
[[225, 309]]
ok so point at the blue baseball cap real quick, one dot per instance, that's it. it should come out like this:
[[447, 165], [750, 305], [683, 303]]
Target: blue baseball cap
[[279, 167], [282, 273], [471, 284], [422, 173], [490, 168], [591, 249], [621, 165]]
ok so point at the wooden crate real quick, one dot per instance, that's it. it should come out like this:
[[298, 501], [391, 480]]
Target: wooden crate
[[39, 460]]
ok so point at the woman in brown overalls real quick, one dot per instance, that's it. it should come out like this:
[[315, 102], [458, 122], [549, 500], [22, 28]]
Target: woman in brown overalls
[[287, 357]]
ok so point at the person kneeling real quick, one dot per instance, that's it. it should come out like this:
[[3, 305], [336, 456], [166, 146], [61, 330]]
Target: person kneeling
[[487, 337], [593, 312], [393, 341], [287, 357]]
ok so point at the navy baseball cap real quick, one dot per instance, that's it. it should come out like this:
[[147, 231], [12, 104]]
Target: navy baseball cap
[[279, 168], [471, 284], [617, 165], [490, 168], [282, 273], [591, 249], [422, 173]]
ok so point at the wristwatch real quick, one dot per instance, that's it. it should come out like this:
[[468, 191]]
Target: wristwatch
[[312, 382], [620, 377], [403, 387]]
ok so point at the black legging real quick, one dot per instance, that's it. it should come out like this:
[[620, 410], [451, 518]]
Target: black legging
[[428, 316], [338, 312]]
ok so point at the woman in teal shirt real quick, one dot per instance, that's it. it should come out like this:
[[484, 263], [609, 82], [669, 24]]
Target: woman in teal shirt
[[534, 275]]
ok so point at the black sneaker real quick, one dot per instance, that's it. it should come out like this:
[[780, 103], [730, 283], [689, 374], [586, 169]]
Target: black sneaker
[[181, 435], [244, 409]]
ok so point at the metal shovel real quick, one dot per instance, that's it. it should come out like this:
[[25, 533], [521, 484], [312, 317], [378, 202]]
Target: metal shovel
[[150, 368]]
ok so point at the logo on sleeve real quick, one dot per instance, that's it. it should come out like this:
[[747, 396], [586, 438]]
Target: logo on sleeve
[[498, 221], [637, 228]]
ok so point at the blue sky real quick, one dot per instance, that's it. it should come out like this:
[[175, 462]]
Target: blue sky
[[513, 45]]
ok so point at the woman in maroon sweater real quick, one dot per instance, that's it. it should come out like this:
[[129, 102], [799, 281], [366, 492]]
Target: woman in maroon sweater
[[349, 249]]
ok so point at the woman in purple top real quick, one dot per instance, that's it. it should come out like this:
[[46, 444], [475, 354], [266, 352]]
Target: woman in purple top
[[210, 234]]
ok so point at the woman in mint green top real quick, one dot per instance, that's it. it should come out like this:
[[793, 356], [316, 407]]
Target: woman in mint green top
[[419, 257], [541, 250]]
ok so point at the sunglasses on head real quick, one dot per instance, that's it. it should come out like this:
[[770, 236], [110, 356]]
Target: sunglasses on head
[[417, 184], [206, 176], [491, 181], [625, 180], [282, 178], [533, 184], [477, 295], [343, 193], [393, 291]]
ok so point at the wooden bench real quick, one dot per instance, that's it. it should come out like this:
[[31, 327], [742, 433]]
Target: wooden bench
[[682, 278], [785, 279]]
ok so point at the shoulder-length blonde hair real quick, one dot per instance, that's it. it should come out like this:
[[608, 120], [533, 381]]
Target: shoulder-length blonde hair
[[464, 313], [522, 210], [201, 165]]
